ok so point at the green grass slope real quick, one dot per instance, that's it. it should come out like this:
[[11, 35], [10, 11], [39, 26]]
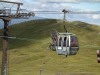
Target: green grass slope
[[33, 57]]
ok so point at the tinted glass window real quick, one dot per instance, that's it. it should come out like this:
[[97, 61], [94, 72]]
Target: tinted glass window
[[60, 40], [74, 41], [64, 43]]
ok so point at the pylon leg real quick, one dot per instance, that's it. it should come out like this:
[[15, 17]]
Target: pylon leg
[[5, 46]]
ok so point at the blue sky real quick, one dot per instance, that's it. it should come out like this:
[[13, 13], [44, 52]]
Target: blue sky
[[58, 5]]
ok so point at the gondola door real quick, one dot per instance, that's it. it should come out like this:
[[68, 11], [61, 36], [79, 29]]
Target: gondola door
[[60, 41], [65, 44], [59, 45]]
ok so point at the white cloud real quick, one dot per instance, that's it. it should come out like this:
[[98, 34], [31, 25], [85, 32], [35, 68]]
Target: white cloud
[[89, 0], [95, 16], [70, 1], [89, 15], [63, 0]]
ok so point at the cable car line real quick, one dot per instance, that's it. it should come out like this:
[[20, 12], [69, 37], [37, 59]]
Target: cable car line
[[66, 11], [18, 38]]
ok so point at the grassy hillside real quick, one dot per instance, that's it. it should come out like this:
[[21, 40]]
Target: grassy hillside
[[28, 57]]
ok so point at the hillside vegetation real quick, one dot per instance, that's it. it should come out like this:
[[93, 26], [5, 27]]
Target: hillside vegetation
[[33, 57]]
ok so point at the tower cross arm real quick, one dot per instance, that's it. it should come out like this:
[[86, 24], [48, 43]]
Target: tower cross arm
[[12, 2]]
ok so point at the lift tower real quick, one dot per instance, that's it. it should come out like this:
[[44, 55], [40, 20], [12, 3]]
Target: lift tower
[[6, 16]]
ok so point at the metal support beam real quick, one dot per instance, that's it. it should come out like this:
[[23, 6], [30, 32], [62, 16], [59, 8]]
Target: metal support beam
[[18, 9], [5, 47], [64, 19], [64, 16], [11, 2]]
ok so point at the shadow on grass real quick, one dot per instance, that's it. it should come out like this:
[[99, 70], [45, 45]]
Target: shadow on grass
[[36, 30], [32, 32]]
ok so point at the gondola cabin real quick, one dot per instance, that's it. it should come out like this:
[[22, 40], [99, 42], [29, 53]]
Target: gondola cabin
[[65, 43]]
